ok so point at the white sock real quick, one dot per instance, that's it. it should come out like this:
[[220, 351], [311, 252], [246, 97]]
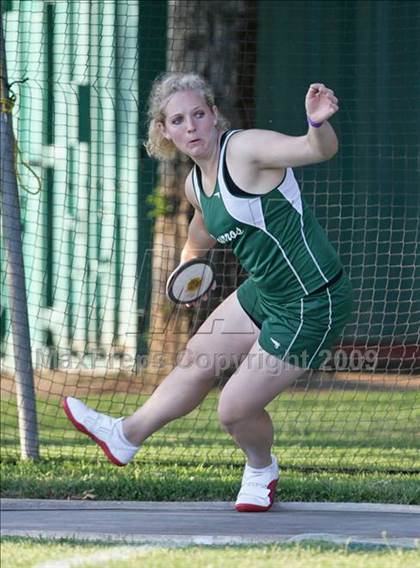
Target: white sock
[[120, 431], [261, 469]]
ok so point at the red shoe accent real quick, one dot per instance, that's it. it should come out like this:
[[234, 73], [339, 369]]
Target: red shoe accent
[[251, 508], [81, 428]]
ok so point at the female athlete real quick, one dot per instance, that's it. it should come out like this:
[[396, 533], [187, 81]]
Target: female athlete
[[283, 318]]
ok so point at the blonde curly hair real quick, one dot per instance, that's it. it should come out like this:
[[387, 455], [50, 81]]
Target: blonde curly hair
[[163, 87]]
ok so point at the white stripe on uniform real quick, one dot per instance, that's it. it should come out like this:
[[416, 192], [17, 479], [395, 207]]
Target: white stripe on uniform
[[328, 329]]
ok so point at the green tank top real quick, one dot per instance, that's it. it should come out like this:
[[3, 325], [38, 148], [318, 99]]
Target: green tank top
[[275, 236]]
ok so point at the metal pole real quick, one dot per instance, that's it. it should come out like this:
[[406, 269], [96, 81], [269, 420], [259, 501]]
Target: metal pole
[[10, 213]]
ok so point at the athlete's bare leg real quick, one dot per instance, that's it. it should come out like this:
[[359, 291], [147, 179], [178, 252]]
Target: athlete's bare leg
[[228, 333], [258, 380]]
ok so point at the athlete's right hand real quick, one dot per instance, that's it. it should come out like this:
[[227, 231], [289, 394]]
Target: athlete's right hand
[[197, 303], [320, 102]]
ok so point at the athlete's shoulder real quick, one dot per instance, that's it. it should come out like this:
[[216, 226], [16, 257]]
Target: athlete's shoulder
[[246, 141], [252, 135]]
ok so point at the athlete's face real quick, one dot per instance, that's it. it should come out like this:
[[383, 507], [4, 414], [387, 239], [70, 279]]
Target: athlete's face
[[190, 124]]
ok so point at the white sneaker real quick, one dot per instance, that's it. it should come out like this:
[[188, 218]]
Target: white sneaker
[[258, 488], [105, 431]]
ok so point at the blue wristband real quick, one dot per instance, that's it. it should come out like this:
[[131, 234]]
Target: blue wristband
[[313, 123]]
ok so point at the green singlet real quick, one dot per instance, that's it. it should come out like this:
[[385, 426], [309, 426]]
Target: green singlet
[[297, 292]]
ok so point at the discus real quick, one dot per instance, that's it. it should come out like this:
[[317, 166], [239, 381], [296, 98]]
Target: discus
[[190, 281]]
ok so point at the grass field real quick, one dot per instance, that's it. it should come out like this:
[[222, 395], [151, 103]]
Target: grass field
[[25, 553], [332, 446]]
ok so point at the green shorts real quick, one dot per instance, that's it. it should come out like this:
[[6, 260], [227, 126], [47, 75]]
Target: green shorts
[[304, 331]]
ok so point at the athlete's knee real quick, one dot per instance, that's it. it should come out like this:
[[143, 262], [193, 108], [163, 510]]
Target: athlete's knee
[[231, 411]]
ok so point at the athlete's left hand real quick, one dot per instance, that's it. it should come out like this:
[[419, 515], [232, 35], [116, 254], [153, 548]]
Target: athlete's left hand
[[320, 102]]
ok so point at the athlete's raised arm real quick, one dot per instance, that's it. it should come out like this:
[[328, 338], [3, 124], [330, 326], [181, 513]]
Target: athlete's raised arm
[[269, 149]]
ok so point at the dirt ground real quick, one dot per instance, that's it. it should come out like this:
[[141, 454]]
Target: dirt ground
[[50, 382]]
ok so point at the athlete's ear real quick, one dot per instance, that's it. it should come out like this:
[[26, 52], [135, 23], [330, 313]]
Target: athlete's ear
[[162, 129], [216, 115]]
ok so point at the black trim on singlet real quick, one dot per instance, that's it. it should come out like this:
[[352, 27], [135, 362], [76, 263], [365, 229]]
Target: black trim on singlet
[[199, 179], [333, 280], [230, 184], [198, 170], [237, 191]]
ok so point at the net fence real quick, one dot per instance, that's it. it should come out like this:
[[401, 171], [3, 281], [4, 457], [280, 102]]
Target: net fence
[[103, 225]]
